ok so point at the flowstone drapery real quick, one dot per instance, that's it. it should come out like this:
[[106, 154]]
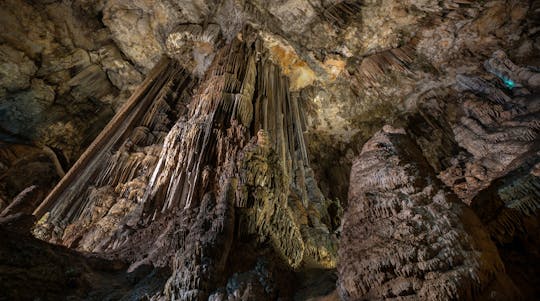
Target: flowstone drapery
[[179, 177]]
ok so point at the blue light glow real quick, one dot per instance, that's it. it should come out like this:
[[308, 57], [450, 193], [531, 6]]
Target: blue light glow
[[509, 83]]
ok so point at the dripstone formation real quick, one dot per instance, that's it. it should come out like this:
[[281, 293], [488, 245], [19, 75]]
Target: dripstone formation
[[405, 235], [269, 150], [232, 166]]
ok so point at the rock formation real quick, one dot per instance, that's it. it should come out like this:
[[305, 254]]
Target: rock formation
[[483, 145], [405, 236], [204, 149], [233, 165], [31, 269]]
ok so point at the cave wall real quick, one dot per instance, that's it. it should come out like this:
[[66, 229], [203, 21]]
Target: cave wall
[[457, 76], [356, 64]]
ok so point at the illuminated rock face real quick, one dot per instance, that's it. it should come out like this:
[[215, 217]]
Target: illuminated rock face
[[233, 166], [230, 165], [356, 64]]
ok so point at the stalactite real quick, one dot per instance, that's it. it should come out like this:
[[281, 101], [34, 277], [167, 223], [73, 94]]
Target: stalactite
[[118, 156], [243, 101], [378, 65], [342, 13], [269, 215], [194, 46], [207, 166]]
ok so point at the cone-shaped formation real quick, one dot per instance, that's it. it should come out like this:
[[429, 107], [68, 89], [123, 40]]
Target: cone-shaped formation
[[374, 67], [234, 165], [342, 13], [405, 236]]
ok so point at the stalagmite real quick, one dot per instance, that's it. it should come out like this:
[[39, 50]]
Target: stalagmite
[[405, 236]]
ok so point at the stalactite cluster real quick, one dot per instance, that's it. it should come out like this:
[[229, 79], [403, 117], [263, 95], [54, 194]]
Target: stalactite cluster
[[342, 13], [373, 68], [229, 161], [111, 181]]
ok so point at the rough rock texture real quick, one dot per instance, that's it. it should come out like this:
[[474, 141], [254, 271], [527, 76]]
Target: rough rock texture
[[61, 80], [233, 165], [190, 158], [484, 132], [484, 145], [357, 65], [119, 163], [405, 236]]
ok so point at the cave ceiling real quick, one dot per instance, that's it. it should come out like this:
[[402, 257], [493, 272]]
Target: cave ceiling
[[311, 127]]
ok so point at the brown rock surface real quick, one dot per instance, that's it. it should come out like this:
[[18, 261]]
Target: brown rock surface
[[233, 166], [405, 236], [255, 126]]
